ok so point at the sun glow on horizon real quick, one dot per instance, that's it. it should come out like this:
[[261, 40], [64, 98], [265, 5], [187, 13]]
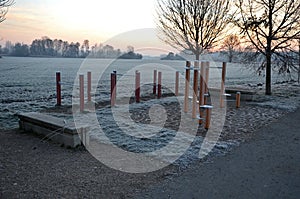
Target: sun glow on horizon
[[96, 20]]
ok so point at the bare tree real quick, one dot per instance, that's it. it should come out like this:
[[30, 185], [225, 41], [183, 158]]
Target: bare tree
[[192, 25], [299, 60], [231, 43], [269, 25], [295, 49], [4, 4], [86, 46], [130, 49]]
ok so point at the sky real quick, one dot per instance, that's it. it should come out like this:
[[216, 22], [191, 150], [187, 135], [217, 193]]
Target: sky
[[76, 20]]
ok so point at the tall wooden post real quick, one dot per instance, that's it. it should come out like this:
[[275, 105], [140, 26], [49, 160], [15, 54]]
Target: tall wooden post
[[206, 95], [159, 92], [81, 92], [113, 88], [201, 93], [195, 90], [154, 81], [177, 83], [89, 85], [202, 82], [137, 86], [58, 89], [187, 84], [222, 91]]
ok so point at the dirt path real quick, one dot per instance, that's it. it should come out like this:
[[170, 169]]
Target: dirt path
[[266, 166], [30, 168]]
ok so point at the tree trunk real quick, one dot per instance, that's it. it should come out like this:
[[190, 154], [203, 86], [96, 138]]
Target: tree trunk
[[268, 73], [230, 56], [269, 52], [299, 63], [197, 56], [268, 67]]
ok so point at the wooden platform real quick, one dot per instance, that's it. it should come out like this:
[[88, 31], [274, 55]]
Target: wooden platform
[[54, 129]]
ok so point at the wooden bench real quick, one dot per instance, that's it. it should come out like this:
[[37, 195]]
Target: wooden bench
[[55, 129]]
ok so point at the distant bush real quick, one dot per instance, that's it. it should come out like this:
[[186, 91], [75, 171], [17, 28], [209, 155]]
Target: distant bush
[[172, 56], [131, 55]]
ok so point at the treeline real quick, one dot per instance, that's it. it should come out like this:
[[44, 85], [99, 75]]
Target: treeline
[[172, 56], [46, 47]]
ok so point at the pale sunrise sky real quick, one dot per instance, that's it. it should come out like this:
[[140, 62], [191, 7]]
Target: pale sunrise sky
[[76, 20]]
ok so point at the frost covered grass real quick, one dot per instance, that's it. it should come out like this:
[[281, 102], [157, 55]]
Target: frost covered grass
[[131, 126]]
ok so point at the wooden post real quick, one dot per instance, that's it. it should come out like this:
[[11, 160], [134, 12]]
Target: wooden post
[[195, 90], [206, 82], [187, 84], [238, 99], [89, 85], [154, 81], [137, 86], [208, 118], [81, 92], [113, 89], [58, 89], [208, 109], [202, 82], [201, 93], [222, 91], [177, 83], [159, 93]]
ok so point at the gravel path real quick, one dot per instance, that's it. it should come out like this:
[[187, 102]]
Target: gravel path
[[30, 168], [266, 166]]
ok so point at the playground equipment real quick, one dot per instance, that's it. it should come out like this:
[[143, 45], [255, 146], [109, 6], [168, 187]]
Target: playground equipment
[[200, 102], [81, 89], [200, 98]]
